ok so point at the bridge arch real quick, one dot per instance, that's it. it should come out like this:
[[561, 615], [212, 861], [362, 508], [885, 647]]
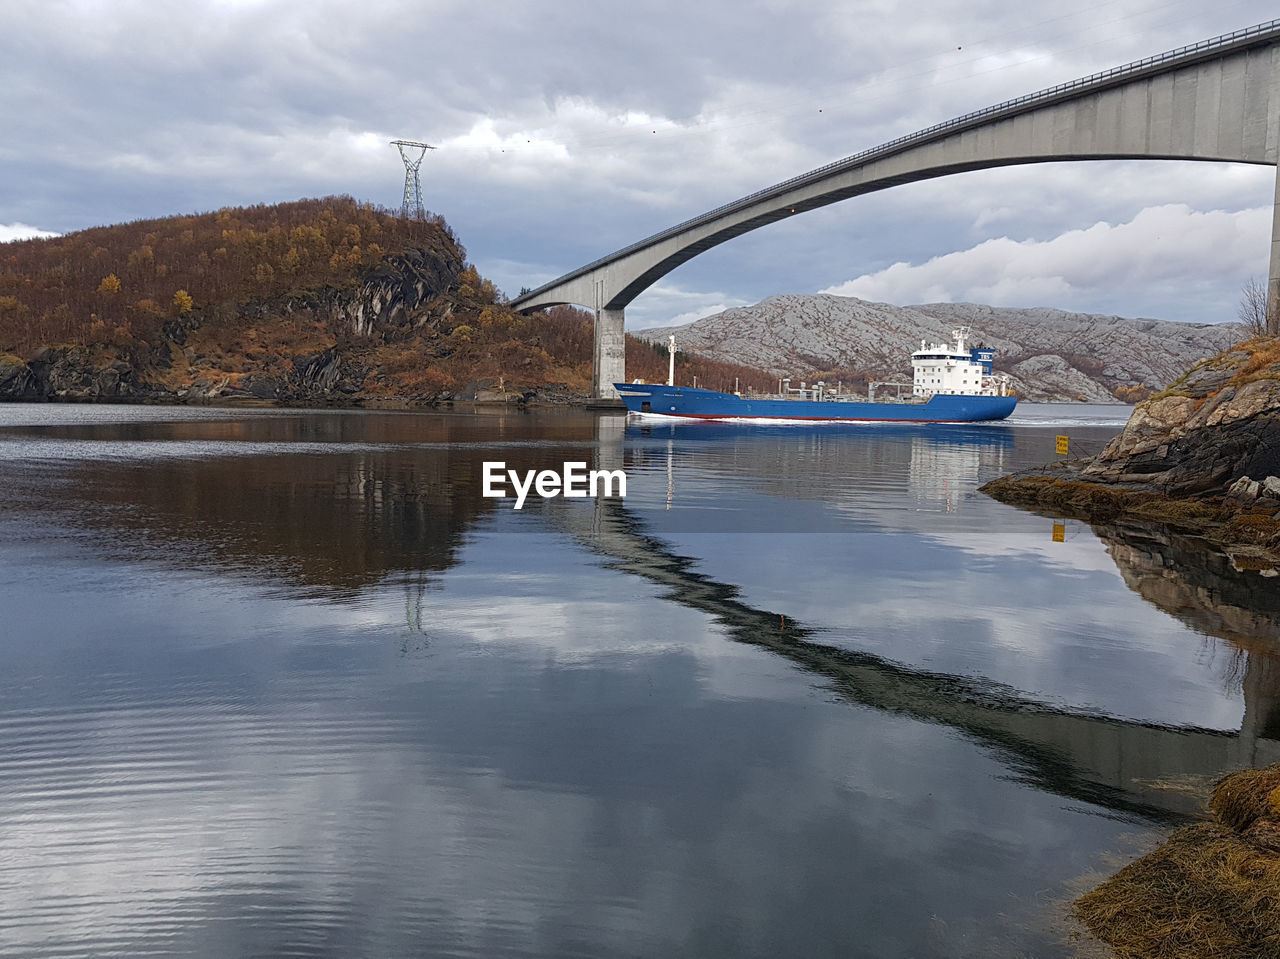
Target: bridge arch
[[1217, 100]]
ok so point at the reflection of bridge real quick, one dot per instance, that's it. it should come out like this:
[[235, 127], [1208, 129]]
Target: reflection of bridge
[[1115, 763], [1216, 100]]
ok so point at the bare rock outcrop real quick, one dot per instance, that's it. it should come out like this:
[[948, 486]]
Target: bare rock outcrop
[[1203, 457], [405, 290], [388, 296], [70, 373], [1218, 423]]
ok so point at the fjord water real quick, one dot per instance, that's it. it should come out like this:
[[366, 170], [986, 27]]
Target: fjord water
[[280, 683]]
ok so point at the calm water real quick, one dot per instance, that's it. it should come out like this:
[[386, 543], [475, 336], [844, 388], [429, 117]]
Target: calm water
[[286, 684]]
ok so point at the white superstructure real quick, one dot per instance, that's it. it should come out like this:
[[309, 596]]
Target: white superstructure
[[955, 369]]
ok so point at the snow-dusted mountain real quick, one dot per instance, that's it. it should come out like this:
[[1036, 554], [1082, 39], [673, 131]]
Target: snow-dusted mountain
[[1052, 355]]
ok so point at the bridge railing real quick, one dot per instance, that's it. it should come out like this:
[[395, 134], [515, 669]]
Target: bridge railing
[[1012, 107]]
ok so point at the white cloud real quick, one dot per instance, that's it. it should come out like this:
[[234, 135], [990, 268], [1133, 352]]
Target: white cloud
[[577, 135], [710, 310], [20, 231], [1161, 244], [666, 304]]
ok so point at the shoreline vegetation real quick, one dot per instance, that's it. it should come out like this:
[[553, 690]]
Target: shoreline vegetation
[[1212, 889]]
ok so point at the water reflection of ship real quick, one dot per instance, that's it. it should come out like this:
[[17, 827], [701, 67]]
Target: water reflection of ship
[[938, 464], [942, 474], [979, 434]]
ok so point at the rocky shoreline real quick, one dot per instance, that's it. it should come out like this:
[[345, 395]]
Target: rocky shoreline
[[1244, 527], [328, 378], [1202, 456]]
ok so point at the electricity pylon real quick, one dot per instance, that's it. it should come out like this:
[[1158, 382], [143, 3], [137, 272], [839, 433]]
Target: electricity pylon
[[412, 205]]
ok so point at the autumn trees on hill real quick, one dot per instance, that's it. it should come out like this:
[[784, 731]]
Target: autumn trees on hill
[[131, 276], [236, 295]]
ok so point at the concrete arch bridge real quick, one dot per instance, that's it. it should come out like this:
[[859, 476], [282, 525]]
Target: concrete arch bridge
[[1216, 100]]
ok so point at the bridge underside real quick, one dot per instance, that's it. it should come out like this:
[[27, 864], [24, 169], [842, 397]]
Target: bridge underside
[[1219, 105]]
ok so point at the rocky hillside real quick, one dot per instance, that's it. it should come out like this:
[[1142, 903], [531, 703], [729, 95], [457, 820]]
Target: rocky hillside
[[1052, 355], [1215, 425], [315, 301]]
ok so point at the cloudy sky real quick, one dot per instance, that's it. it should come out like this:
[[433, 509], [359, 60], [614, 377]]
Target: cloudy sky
[[567, 129]]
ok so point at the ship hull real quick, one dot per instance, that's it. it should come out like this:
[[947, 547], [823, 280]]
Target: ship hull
[[690, 403]]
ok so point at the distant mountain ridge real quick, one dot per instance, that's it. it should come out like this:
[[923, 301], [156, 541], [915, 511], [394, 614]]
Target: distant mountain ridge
[[1051, 355]]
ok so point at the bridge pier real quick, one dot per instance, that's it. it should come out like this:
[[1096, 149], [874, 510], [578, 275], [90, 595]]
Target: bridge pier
[[1273, 276], [610, 358]]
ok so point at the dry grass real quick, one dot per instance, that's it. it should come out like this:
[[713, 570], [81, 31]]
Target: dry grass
[[1264, 352], [1255, 359], [1195, 786], [1212, 890], [1173, 390], [1243, 798]]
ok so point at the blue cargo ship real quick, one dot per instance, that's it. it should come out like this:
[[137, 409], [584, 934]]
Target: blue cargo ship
[[950, 384]]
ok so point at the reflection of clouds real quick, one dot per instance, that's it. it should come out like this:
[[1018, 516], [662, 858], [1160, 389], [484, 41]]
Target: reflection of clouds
[[559, 608], [298, 781], [1058, 623], [131, 815], [199, 761], [170, 814], [370, 834], [113, 601], [325, 813], [980, 590]]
